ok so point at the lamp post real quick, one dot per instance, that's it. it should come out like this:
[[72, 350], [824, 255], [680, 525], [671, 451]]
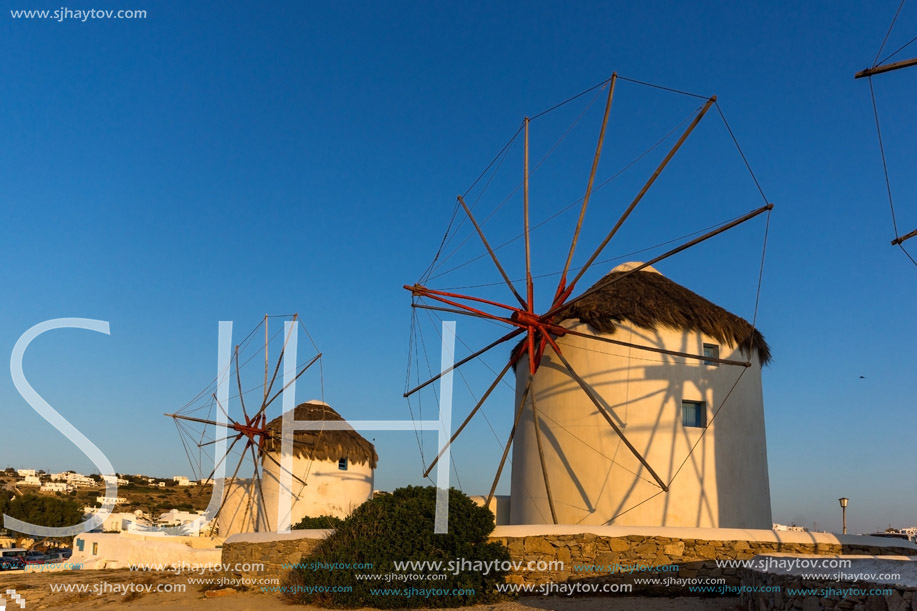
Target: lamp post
[[843, 501]]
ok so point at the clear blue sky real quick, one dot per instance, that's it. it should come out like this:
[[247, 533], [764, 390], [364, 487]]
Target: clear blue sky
[[217, 161]]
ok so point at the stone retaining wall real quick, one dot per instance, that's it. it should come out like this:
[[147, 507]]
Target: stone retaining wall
[[588, 556], [839, 596], [593, 556], [271, 551]]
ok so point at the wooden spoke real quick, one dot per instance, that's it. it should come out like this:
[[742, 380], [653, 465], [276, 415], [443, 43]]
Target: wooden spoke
[[468, 358], [686, 355], [906, 236], [293, 475], [490, 250], [509, 442], [646, 187], [228, 490], [595, 164], [529, 291], [210, 443], [239, 383], [287, 385], [886, 68], [263, 506], [459, 430], [220, 462], [267, 390], [665, 255], [598, 404], [422, 306], [544, 467]]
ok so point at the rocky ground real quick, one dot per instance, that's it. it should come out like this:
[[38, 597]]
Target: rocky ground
[[122, 589]]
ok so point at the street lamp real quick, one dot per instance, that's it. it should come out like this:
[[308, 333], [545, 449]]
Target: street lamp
[[843, 501]]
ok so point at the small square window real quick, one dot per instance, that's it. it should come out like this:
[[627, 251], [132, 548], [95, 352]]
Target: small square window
[[342, 464], [712, 351], [694, 413], [79, 544]]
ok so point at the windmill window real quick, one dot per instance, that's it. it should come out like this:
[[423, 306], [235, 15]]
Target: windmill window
[[342, 464], [711, 351], [694, 413]]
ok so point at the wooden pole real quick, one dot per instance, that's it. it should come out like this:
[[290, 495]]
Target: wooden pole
[[268, 387], [470, 357], [544, 466], [468, 419], [220, 462], [665, 255], [263, 503], [490, 250], [287, 385], [239, 383], [509, 442], [293, 475], [266, 363], [646, 187], [905, 63], [232, 480], [686, 355], [525, 204], [601, 408], [595, 166], [906, 236]]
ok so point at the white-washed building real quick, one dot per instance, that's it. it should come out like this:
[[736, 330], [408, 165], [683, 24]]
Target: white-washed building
[[698, 424], [333, 472]]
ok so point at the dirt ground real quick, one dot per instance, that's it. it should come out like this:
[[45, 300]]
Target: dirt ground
[[118, 589]]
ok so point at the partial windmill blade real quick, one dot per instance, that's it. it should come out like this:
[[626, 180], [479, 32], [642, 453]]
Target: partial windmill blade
[[287, 385], [227, 490], [239, 383], [639, 197], [666, 255], [686, 355], [471, 414], [590, 392], [562, 284], [260, 487], [491, 252], [544, 466], [465, 360], [222, 460], [284, 469], [509, 442], [268, 387]]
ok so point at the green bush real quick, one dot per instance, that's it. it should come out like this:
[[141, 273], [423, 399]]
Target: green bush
[[318, 522], [399, 527], [42, 510]]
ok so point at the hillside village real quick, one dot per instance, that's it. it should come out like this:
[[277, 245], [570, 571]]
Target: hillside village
[[142, 501]]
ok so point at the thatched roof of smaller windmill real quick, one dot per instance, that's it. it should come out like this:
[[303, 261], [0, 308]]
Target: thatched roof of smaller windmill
[[649, 300], [322, 444]]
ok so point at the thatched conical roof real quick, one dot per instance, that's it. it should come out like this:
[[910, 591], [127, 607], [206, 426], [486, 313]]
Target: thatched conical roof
[[322, 444], [649, 300]]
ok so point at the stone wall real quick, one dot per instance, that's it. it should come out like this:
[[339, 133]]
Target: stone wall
[[587, 556], [776, 591], [271, 551], [600, 554]]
